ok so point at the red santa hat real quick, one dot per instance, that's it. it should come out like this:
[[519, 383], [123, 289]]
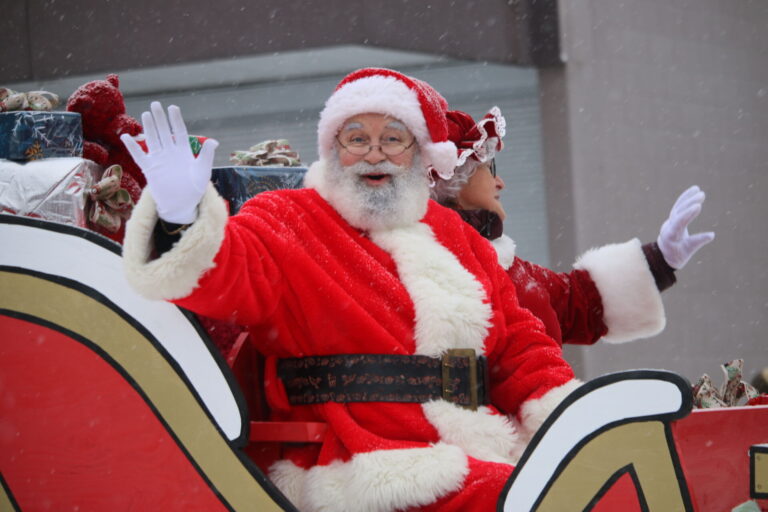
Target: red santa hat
[[479, 141], [411, 101]]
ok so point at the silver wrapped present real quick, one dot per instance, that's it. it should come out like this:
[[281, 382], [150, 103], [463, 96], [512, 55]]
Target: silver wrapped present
[[55, 189]]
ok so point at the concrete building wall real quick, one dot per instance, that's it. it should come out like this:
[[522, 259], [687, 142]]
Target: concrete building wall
[[654, 97], [48, 38]]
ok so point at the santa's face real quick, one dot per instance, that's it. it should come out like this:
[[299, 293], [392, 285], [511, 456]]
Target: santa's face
[[376, 180], [375, 138]]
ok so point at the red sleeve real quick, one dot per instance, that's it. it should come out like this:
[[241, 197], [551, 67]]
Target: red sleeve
[[569, 304], [245, 284], [524, 363]]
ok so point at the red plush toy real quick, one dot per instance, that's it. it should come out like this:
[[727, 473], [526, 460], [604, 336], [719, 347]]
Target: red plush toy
[[102, 108]]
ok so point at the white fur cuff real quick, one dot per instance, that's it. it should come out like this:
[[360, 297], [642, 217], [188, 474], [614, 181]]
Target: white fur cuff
[[632, 306], [482, 434], [534, 412], [176, 272], [377, 481]]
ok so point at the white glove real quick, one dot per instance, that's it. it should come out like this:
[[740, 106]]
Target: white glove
[[676, 245], [176, 179]]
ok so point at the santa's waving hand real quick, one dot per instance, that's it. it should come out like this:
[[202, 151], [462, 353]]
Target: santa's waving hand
[[175, 178]]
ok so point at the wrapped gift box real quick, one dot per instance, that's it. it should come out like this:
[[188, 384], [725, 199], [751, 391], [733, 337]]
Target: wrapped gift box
[[238, 184], [31, 135], [55, 189]]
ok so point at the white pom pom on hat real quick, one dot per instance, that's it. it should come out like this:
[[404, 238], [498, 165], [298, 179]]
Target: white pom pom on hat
[[384, 91]]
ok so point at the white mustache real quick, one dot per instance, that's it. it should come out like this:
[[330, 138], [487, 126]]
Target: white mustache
[[386, 167]]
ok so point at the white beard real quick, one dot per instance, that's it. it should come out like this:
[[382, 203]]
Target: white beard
[[400, 202]]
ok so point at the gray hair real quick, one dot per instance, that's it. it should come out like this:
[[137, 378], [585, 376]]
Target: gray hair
[[447, 191]]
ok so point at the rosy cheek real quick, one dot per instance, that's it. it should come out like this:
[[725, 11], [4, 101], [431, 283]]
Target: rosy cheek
[[346, 159], [403, 160]]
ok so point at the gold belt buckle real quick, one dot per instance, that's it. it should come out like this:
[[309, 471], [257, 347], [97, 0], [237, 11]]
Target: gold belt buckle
[[446, 365]]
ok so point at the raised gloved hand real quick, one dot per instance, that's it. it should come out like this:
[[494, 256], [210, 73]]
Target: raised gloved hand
[[676, 245], [176, 179]]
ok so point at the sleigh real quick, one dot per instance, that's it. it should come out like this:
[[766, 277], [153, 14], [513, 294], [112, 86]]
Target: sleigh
[[109, 401]]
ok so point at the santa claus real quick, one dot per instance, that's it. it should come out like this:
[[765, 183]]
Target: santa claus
[[379, 311]]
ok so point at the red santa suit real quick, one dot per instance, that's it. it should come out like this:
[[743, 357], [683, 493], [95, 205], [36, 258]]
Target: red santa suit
[[308, 283], [311, 284]]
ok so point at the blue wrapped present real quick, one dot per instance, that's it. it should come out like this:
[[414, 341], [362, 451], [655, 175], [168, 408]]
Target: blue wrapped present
[[238, 184], [32, 135]]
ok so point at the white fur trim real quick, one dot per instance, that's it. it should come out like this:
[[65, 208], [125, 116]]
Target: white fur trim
[[441, 156], [315, 178], [383, 95], [290, 479], [373, 94], [176, 272], [505, 251], [631, 301], [378, 481], [482, 434], [534, 412], [450, 304]]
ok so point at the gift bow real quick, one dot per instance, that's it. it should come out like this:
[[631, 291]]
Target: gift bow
[[707, 396], [111, 203], [33, 100], [275, 153]]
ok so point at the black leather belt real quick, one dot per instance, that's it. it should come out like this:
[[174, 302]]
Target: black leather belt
[[459, 377]]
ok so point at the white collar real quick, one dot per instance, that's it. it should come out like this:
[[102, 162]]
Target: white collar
[[505, 250]]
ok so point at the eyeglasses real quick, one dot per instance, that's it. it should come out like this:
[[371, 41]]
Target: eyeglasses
[[492, 167], [388, 148]]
